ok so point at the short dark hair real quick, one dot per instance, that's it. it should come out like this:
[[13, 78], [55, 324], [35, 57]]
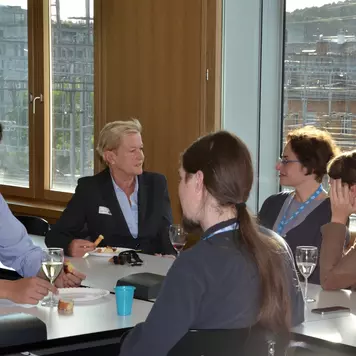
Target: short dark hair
[[343, 167], [228, 175], [314, 148]]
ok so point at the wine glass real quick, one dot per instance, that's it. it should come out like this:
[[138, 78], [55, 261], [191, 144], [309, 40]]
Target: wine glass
[[306, 258], [178, 237], [52, 264]]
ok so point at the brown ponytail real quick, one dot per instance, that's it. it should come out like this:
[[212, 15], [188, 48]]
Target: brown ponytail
[[275, 308]]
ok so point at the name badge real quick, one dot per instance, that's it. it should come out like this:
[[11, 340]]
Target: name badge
[[104, 210]]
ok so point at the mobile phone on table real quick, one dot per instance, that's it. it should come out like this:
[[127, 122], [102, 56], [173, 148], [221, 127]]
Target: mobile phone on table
[[335, 309]]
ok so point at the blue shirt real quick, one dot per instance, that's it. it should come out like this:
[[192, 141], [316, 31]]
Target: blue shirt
[[130, 211], [16, 247]]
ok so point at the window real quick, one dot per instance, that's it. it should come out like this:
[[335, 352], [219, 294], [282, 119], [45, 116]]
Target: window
[[346, 124], [72, 114], [320, 66], [14, 151], [46, 97]]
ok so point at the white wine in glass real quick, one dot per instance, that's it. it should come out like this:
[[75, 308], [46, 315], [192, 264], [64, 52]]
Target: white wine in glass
[[307, 259], [52, 264]]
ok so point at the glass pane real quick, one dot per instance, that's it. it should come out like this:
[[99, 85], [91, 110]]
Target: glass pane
[[14, 155], [72, 92], [320, 68]]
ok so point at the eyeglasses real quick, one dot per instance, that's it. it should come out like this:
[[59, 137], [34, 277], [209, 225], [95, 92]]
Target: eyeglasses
[[285, 161]]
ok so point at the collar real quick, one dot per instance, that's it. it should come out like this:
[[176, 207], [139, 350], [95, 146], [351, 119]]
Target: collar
[[116, 187], [217, 227]]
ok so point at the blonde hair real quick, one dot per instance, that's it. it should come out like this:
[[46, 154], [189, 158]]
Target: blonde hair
[[111, 134]]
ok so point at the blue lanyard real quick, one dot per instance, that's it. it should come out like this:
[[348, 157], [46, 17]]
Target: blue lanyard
[[231, 227], [286, 221]]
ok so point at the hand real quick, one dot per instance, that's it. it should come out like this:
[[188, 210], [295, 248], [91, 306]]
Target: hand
[[78, 247], [29, 290], [69, 280], [343, 203]]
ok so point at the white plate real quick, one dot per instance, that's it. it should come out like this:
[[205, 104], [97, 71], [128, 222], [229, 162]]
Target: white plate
[[81, 294], [108, 254]]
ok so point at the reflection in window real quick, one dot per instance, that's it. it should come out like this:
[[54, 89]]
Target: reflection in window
[[72, 92], [320, 68], [14, 155]]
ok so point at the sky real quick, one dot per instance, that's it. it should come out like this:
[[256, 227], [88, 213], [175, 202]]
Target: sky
[[69, 8], [292, 5]]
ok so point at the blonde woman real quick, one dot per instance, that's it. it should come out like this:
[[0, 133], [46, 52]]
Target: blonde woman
[[129, 207]]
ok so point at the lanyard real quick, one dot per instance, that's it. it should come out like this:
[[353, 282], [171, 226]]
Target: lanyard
[[286, 221], [231, 227]]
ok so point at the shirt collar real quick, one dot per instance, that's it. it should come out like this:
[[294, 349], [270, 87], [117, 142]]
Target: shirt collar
[[116, 187]]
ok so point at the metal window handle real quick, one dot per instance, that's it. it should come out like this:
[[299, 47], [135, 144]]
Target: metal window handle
[[33, 101]]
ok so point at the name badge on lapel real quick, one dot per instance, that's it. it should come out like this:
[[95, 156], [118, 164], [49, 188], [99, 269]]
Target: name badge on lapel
[[104, 210]]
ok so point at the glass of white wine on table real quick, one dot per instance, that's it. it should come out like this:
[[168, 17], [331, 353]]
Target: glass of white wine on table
[[52, 264], [306, 258], [178, 237]]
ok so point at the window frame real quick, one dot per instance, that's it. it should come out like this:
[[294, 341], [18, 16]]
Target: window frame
[[39, 82]]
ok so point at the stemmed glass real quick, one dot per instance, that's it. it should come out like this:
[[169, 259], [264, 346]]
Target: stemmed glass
[[178, 237], [52, 264], [306, 258]]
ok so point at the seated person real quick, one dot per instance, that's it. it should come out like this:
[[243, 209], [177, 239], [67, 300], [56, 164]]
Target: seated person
[[299, 215], [235, 276], [338, 269], [129, 207], [17, 251]]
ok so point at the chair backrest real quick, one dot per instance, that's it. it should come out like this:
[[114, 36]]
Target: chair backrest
[[34, 224], [254, 340]]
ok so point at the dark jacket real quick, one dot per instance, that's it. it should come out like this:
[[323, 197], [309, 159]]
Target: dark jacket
[[213, 285], [307, 233], [81, 218]]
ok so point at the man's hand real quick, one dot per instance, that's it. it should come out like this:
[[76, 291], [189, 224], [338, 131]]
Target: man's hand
[[78, 247], [70, 279], [343, 203], [28, 290]]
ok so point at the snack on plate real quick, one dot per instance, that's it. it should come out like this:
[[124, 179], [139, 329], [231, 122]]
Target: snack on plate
[[107, 249], [65, 306], [98, 240], [68, 267]]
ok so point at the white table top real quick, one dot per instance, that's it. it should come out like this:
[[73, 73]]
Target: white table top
[[344, 298], [91, 317], [335, 328], [103, 274]]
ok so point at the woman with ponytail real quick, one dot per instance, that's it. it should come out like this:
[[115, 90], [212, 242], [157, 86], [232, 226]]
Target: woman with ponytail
[[237, 275]]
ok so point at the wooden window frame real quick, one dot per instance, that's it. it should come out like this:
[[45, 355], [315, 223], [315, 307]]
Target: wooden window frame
[[38, 197]]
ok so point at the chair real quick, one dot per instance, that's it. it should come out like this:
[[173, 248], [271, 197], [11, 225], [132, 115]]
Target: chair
[[254, 340], [34, 224]]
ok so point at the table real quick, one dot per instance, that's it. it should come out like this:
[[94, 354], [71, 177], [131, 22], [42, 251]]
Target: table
[[90, 321], [103, 274], [334, 331]]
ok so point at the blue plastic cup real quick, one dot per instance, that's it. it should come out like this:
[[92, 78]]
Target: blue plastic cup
[[124, 299]]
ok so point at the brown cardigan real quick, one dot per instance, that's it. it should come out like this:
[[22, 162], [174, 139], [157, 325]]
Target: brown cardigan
[[337, 269]]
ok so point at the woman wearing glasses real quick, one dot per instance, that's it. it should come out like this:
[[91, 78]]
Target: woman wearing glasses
[[299, 215]]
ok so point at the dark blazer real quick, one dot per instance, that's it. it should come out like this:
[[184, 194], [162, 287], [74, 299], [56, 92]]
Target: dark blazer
[[307, 233], [81, 218]]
